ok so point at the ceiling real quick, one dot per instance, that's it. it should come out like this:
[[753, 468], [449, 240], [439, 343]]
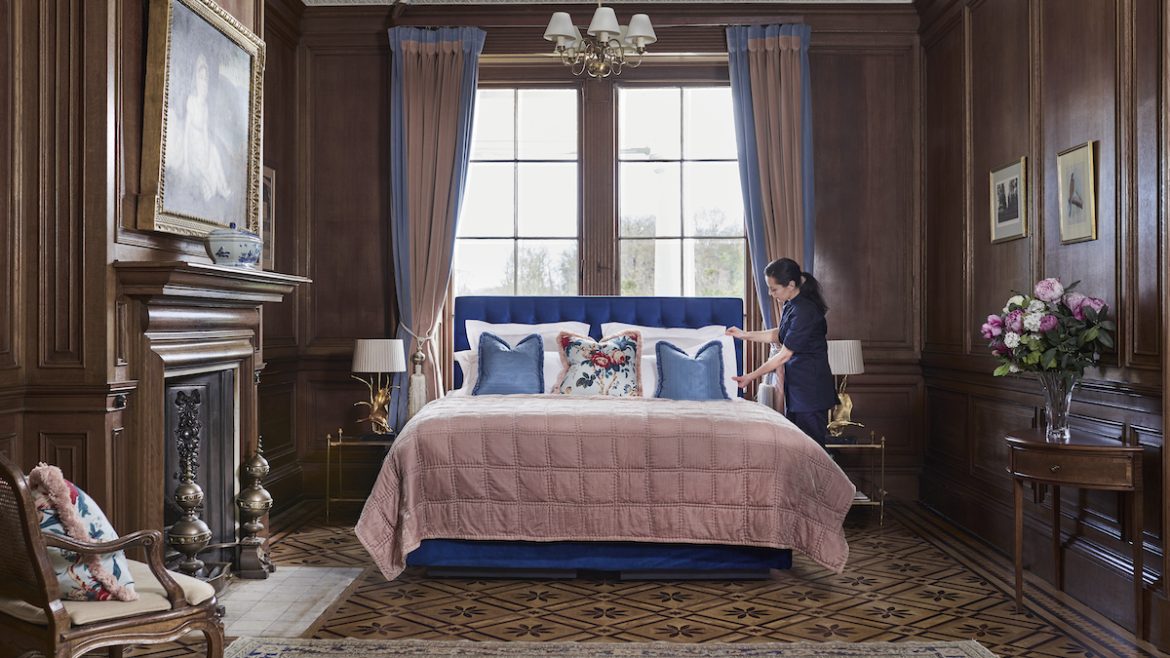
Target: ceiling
[[335, 3]]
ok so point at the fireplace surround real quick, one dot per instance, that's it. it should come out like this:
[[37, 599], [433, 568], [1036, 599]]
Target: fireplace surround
[[190, 329]]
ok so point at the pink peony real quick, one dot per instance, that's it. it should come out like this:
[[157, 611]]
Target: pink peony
[[1015, 321], [1049, 290], [1074, 301], [1094, 303], [1001, 349], [993, 327], [1048, 322]]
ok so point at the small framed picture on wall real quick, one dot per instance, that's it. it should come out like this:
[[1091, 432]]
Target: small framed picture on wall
[[267, 216], [1009, 202], [1078, 194]]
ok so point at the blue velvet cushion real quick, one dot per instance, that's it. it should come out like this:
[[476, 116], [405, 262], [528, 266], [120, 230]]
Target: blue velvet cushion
[[507, 370], [682, 377]]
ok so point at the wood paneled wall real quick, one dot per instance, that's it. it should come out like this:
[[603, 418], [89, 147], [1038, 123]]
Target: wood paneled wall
[[328, 137], [72, 74], [1005, 79]]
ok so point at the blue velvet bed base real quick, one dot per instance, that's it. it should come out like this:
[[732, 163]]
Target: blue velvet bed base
[[597, 556], [629, 557]]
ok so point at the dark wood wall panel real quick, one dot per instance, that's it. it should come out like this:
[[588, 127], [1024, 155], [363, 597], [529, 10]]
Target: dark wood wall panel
[[1078, 99], [944, 316], [1144, 289], [999, 115], [349, 175], [1041, 77], [60, 114], [10, 291], [863, 119]]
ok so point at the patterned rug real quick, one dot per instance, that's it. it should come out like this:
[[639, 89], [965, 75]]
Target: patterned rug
[[284, 648]]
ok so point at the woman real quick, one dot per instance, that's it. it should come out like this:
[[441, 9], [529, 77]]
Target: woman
[[809, 392]]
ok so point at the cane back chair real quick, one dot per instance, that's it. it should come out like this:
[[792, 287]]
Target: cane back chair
[[35, 621]]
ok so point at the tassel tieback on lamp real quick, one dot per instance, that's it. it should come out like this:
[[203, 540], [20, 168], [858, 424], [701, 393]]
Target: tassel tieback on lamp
[[380, 358], [844, 360]]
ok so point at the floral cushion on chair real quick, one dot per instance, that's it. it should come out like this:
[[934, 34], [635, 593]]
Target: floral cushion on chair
[[609, 367], [66, 510]]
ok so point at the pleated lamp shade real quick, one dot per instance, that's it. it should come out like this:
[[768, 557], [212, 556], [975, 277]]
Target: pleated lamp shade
[[378, 355], [845, 357]]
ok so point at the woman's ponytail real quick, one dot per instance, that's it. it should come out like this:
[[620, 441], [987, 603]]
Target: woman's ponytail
[[812, 288]]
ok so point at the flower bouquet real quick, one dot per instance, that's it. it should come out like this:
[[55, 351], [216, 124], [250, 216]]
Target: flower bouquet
[[1055, 333]]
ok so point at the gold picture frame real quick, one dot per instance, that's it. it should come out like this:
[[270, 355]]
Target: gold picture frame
[[1077, 200], [201, 142], [1008, 202]]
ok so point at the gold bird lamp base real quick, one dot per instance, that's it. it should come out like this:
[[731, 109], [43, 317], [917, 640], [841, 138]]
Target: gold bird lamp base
[[378, 406], [841, 416]]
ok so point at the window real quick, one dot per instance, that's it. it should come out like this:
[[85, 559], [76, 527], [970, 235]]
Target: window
[[681, 228], [518, 225], [662, 157]]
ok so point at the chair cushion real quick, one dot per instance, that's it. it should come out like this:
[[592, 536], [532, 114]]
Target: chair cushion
[[66, 510], [151, 598]]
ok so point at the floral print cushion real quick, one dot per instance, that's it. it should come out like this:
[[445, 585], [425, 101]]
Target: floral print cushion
[[66, 510], [607, 368]]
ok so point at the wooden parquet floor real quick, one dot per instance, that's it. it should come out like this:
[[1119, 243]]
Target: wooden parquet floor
[[915, 578]]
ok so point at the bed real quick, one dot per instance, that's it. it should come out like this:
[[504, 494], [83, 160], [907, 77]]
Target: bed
[[544, 485]]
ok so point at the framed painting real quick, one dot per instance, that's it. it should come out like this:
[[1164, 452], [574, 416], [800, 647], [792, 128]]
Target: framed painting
[[1009, 202], [267, 212], [201, 122], [1078, 194]]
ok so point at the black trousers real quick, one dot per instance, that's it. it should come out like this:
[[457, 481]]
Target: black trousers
[[812, 423]]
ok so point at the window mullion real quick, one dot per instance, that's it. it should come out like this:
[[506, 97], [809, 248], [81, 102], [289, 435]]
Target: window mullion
[[598, 166]]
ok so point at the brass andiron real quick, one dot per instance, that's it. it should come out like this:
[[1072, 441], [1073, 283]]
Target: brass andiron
[[189, 535], [254, 502]]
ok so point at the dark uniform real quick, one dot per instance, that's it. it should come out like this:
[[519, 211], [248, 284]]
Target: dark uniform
[[809, 392]]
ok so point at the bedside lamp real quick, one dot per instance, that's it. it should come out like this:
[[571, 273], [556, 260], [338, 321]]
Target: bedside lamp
[[378, 357], [844, 360]]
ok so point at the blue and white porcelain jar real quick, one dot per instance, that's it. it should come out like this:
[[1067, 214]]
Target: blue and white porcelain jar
[[234, 247]]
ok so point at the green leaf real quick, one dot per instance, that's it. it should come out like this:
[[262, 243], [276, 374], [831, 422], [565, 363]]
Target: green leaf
[[1049, 358], [1105, 339], [1090, 335], [1107, 325], [1002, 370], [1090, 314]]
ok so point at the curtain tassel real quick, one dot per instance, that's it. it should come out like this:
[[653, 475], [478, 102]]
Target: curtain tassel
[[417, 395]]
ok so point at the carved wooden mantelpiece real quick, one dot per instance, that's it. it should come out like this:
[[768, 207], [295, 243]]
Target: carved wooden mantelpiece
[[185, 318]]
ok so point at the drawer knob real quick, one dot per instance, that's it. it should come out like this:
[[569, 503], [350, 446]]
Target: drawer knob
[[1054, 468]]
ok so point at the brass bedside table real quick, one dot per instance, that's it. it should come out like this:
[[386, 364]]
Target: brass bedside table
[[875, 479], [342, 441]]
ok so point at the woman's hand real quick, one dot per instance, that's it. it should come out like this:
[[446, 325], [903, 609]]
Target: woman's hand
[[736, 332], [743, 380]]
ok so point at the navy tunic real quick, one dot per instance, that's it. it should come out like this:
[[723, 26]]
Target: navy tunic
[[808, 382]]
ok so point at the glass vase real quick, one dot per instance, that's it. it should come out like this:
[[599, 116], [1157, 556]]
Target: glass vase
[[1058, 391]]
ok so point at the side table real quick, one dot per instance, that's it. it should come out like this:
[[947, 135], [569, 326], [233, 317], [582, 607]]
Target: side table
[[336, 444], [875, 481], [1086, 462]]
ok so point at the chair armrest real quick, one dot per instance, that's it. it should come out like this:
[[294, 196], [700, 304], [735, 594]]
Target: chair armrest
[[151, 540]]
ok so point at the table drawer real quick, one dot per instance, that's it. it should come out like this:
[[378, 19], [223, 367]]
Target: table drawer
[[1085, 470]]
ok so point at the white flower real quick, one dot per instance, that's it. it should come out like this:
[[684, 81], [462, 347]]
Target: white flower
[[1013, 368], [1014, 299], [1011, 339], [1032, 321], [1035, 306]]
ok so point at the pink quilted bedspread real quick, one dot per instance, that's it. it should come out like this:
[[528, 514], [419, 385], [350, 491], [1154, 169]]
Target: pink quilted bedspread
[[555, 468]]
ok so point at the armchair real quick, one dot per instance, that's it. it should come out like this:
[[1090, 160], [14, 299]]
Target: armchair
[[33, 618]]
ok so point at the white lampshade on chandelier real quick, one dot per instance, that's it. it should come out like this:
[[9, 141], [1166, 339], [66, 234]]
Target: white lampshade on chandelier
[[609, 47]]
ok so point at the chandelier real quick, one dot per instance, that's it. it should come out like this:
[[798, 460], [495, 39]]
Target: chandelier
[[611, 47]]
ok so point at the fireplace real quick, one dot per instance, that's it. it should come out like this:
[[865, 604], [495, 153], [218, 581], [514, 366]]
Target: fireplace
[[201, 421], [189, 338]]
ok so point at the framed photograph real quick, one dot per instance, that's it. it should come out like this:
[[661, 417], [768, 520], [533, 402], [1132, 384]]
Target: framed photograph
[[1078, 194], [267, 211], [201, 122], [1009, 202]]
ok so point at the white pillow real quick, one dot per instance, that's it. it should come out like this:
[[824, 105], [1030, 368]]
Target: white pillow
[[468, 361], [688, 340], [513, 333]]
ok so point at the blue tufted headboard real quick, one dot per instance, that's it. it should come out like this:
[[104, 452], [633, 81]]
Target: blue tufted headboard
[[692, 312]]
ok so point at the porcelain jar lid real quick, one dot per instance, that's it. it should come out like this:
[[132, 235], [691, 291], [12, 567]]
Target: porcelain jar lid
[[231, 232]]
